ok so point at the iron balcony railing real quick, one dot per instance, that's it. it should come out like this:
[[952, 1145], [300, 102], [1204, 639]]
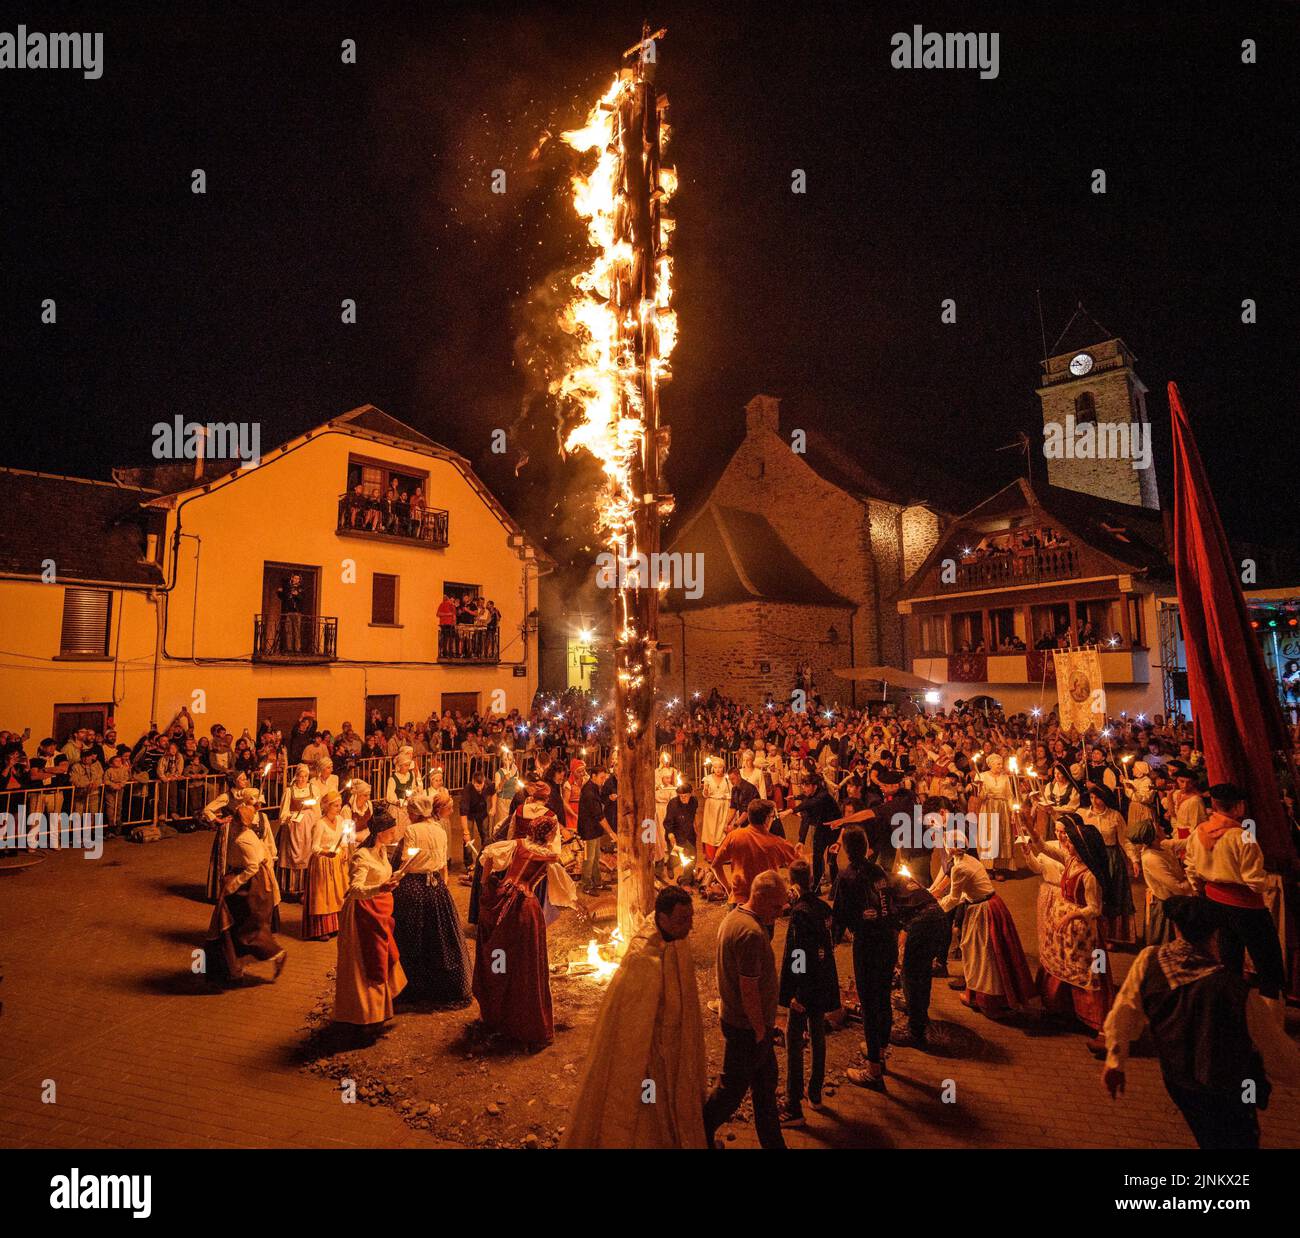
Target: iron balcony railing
[[469, 643], [295, 638], [362, 516]]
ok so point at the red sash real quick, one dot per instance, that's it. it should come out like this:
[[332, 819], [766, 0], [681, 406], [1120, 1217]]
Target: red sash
[[1230, 894]]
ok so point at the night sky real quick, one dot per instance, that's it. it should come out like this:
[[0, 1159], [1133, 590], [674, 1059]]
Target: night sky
[[372, 181]]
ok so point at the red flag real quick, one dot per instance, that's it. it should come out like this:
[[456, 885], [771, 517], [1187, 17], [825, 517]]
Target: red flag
[[1234, 702]]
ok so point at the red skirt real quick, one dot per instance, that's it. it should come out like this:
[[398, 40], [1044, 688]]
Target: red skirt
[[1090, 1006], [511, 969], [1008, 957]]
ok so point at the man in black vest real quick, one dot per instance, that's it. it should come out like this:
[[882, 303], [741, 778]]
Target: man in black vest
[[1216, 1039]]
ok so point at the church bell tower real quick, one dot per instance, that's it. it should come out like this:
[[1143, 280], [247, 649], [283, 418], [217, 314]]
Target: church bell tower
[[1095, 417]]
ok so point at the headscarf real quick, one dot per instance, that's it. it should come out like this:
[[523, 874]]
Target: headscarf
[[1087, 843], [1103, 793]]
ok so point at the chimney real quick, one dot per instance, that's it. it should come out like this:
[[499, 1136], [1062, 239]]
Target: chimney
[[151, 548], [198, 451], [763, 412]]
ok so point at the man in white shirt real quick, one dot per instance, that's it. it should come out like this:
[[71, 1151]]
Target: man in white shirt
[[1226, 866]]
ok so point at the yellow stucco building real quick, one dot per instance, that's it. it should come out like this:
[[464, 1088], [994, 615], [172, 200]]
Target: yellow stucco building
[[312, 579]]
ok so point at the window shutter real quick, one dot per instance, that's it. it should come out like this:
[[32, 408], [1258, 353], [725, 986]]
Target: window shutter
[[86, 615], [383, 599]]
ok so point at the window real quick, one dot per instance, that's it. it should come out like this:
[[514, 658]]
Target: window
[[281, 713], [1085, 408], [968, 632], [393, 502], [1136, 632], [383, 599], [932, 633], [86, 617], [1005, 637], [69, 718]]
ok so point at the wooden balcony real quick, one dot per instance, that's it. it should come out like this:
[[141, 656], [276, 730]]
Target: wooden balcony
[[1007, 569]]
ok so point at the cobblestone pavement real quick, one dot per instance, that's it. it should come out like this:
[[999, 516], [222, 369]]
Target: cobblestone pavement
[[99, 999]]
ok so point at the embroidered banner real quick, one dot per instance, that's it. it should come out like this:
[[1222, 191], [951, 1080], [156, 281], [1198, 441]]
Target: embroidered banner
[[1080, 689], [968, 668], [1039, 663]]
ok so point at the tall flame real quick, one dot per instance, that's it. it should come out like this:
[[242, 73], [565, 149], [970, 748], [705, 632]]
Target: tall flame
[[605, 380]]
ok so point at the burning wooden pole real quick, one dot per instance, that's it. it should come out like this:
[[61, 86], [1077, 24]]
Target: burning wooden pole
[[626, 329]]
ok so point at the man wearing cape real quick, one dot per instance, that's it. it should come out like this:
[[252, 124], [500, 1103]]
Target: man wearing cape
[[644, 1084]]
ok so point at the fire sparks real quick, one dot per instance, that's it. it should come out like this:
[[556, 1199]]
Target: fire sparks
[[620, 315]]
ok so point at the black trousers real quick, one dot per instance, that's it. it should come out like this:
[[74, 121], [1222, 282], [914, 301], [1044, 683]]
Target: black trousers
[[821, 839], [1252, 928], [815, 1023], [873, 972], [927, 940], [1221, 1123], [746, 1068]]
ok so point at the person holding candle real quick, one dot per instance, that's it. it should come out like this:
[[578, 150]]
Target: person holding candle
[[369, 975], [218, 813], [997, 793], [241, 927], [511, 967], [297, 820], [997, 977], [327, 876], [405, 779], [1118, 921], [426, 925], [1060, 794], [1074, 974], [715, 788], [1141, 794]]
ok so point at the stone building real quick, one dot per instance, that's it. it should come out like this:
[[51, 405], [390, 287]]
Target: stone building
[[804, 546], [1092, 394]]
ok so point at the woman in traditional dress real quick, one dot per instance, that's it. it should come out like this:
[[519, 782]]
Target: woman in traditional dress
[[241, 926], [297, 820], [996, 794], [1164, 876], [218, 813], [572, 792], [360, 807], [1119, 924], [715, 790], [369, 973], [405, 780], [777, 775], [1074, 976], [515, 998], [506, 782], [1141, 794], [426, 924], [1060, 794], [997, 977], [666, 780], [325, 779], [327, 875], [751, 773]]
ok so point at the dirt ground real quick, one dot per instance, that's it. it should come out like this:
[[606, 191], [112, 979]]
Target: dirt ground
[[443, 1073]]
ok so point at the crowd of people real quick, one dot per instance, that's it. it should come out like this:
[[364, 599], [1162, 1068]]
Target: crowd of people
[[891, 829]]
